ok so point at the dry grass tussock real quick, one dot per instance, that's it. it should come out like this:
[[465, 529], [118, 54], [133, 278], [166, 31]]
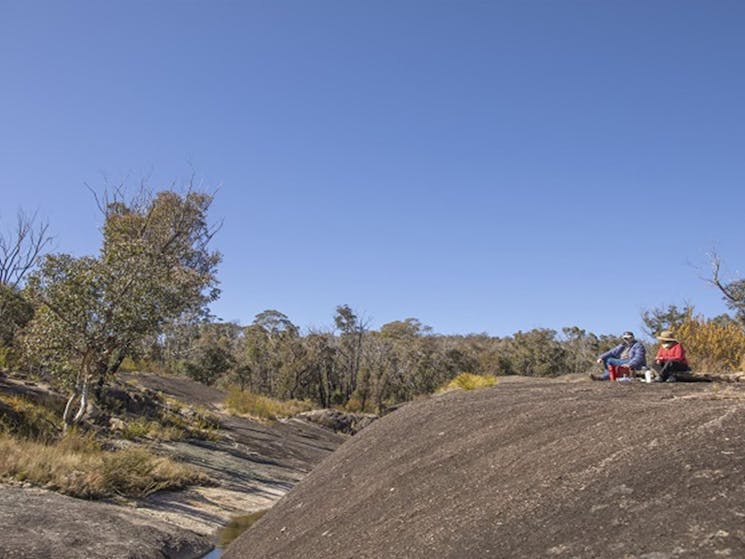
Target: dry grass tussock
[[469, 381], [262, 407], [76, 465]]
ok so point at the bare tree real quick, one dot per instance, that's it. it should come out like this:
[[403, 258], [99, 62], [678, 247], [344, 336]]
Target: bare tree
[[732, 291], [21, 249]]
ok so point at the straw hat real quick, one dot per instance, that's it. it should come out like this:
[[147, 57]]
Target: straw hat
[[667, 336]]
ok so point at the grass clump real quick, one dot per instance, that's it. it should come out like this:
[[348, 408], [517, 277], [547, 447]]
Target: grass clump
[[469, 381], [236, 527], [135, 472], [262, 407], [173, 422], [27, 419], [144, 428], [76, 465]]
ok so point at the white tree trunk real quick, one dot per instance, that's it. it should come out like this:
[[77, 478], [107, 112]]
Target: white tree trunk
[[82, 392]]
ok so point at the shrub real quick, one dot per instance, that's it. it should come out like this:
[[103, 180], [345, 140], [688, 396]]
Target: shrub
[[129, 365], [353, 405], [469, 381], [711, 345], [263, 407]]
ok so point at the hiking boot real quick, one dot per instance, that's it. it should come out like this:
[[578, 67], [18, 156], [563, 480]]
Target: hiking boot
[[671, 379]]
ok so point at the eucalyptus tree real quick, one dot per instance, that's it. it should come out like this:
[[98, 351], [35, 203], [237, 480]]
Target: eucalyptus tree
[[270, 351], [321, 357], [352, 329], [582, 349], [669, 317], [211, 353], [154, 265], [401, 343], [536, 352]]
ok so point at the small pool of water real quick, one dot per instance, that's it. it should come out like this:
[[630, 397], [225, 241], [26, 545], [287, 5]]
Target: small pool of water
[[214, 554]]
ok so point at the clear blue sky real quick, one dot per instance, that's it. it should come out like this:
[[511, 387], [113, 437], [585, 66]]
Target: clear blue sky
[[483, 166]]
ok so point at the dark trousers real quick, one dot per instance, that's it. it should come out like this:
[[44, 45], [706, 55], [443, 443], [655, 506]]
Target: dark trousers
[[669, 367]]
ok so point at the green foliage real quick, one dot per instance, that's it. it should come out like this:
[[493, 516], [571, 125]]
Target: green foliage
[[272, 358], [665, 318], [210, 355], [15, 312], [359, 369], [581, 350], [153, 267], [536, 353]]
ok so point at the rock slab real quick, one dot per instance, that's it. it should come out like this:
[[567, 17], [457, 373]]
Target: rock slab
[[535, 468], [38, 524]]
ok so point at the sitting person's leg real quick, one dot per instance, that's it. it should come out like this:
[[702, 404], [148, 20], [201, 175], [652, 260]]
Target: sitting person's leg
[[614, 367], [668, 368], [608, 364], [623, 371]]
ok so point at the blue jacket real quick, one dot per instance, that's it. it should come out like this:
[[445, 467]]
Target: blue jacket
[[637, 354]]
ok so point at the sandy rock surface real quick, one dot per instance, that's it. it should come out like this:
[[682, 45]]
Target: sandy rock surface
[[253, 464], [528, 468]]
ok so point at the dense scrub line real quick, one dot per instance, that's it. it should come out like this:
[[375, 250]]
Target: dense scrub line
[[374, 370]]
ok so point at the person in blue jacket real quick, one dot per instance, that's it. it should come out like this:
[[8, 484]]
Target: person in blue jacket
[[630, 354]]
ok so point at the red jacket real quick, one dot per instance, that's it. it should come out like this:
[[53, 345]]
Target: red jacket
[[674, 353]]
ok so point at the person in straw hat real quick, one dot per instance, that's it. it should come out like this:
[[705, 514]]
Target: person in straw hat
[[670, 358]]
